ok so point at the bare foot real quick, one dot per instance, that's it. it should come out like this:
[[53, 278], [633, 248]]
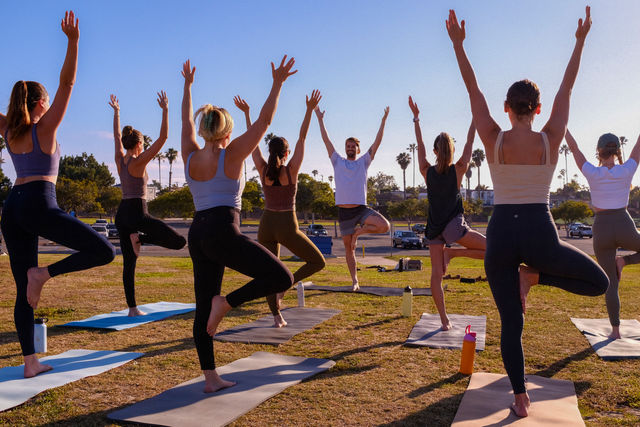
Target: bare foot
[[36, 278], [33, 367], [521, 405], [278, 321], [620, 263], [528, 278], [356, 286], [446, 258], [446, 326], [135, 242], [615, 333], [135, 311], [213, 382], [219, 307]]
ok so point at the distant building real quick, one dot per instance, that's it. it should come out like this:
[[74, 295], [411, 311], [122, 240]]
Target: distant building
[[152, 192], [485, 195]]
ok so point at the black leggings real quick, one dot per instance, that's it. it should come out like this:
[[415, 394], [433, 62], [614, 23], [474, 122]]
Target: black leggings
[[526, 234], [133, 217], [31, 210], [215, 241]]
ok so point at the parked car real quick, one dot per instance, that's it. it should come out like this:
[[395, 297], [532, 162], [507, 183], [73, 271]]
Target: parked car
[[418, 228], [112, 231], [316, 230], [101, 221], [406, 239], [580, 230], [101, 229]]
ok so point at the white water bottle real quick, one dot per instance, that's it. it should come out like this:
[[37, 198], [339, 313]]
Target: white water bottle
[[40, 335], [407, 297], [300, 289]]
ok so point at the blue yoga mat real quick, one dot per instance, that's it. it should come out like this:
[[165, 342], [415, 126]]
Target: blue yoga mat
[[118, 320]]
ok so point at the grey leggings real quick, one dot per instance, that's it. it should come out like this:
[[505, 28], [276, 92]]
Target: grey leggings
[[613, 229]]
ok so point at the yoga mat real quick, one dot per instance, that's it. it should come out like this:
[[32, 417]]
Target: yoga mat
[[118, 320], [427, 332], [262, 331], [488, 399], [69, 366], [372, 290], [259, 377], [597, 330]]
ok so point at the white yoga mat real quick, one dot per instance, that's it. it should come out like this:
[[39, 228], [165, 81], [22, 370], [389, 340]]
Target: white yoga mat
[[427, 332], [597, 330], [118, 320], [259, 377], [488, 399], [69, 366]]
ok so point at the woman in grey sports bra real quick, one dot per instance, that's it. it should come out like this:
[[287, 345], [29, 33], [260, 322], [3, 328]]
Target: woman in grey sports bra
[[521, 163]]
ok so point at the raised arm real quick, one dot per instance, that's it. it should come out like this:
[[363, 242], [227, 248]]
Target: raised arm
[[573, 146], [258, 160], [242, 146], [298, 154], [137, 165], [50, 121], [557, 124], [463, 162], [323, 132], [376, 143], [117, 136], [423, 163], [487, 128], [188, 142], [635, 152]]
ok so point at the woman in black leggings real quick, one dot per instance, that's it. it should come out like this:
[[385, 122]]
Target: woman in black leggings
[[522, 231], [214, 175], [31, 209], [132, 216]]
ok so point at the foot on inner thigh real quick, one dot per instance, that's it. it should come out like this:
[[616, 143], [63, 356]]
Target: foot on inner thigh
[[615, 333], [219, 307], [446, 258], [33, 367], [36, 278], [521, 405], [528, 278], [135, 242], [135, 311], [213, 382], [620, 263], [278, 321]]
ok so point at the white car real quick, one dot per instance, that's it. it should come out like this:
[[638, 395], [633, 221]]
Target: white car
[[101, 229]]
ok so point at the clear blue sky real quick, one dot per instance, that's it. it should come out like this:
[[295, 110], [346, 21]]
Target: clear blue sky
[[362, 55]]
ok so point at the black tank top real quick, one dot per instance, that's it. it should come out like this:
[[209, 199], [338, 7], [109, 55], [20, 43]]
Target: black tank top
[[445, 202]]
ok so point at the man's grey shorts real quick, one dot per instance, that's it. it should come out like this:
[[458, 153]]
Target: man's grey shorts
[[454, 231], [348, 218]]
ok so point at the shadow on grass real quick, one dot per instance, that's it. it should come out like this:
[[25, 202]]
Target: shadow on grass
[[440, 413], [168, 347], [378, 323], [429, 388], [351, 352], [556, 367]]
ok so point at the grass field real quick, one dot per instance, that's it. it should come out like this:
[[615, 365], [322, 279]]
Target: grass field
[[376, 380]]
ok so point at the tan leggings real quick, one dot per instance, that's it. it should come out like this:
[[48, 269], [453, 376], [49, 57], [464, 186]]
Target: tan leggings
[[613, 229], [281, 228]]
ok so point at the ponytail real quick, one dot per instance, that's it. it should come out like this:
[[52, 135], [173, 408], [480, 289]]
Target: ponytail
[[278, 149], [24, 97], [215, 122], [443, 146]]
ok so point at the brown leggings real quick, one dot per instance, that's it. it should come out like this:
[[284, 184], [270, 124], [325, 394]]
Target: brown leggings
[[281, 228], [613, 229]]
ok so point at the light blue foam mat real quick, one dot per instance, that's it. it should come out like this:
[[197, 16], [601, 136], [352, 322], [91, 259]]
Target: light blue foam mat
[[69, 366], [118, 320]]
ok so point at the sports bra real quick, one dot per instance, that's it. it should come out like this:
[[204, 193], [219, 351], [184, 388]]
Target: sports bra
[[278, 197], [218, 191], [133, 187], [35, 162]]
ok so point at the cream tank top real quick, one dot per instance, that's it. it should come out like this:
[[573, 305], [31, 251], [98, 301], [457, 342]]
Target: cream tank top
[[521, 184]]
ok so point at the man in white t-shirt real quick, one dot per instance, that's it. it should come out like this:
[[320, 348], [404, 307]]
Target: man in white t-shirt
[[350, 175]]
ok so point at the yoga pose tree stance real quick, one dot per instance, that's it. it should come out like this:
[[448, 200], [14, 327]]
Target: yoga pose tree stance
[[522, 163], [279, 224], [445, 222], [613, 227], [354, 217], [31, 209], [214, 175], [133, 216]]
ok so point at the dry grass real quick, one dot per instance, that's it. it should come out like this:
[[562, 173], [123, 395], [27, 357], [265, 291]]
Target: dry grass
[[376, 380]]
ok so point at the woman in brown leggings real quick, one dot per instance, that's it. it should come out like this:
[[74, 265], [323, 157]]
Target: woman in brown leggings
[[279, 225]]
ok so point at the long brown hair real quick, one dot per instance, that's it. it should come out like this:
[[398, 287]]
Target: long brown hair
[[24, 97], [278, 149], [443, 146]]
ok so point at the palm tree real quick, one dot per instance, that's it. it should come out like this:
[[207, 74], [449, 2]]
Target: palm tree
[[564, 149], [147, 141], [159, 157], [412, 149], [478, 157], [268, 137], [403, 160], [468, 174], [623, 142], [563, 176], [3, 145], [330, 177], [171, 156], [314, 173]]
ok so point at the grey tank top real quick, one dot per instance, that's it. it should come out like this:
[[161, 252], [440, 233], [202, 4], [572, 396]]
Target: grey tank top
[[132, 186]]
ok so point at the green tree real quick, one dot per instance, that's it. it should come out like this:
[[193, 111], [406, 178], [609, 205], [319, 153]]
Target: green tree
[[159, 157], [5, 187], [412, 149], [623, 142], [147, 141], [177, 203], [314, 173], [109, 199], [85, 168], [252, 196], [468, 175], [3, 145], [403, 160], [477, 157], [408, 210], [77, 195], [382, 183], [171, 156], [314, 196], [572, 211]]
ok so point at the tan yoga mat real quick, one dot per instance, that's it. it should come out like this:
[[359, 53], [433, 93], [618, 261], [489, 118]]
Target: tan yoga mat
[[381, 291], [259, 377], [427, 332], [597, 333], [488, 399]]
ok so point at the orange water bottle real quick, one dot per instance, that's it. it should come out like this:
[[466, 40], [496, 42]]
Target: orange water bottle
[[468, 351]]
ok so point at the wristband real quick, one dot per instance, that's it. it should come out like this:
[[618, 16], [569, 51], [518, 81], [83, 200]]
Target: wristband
[[416, 119]]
